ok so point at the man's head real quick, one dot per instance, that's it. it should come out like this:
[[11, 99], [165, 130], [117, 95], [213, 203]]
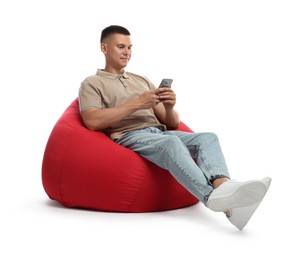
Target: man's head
[[116, 45], [113, 29]]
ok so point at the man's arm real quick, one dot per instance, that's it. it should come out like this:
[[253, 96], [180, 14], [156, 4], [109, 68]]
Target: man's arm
[[99, 119], [165, 109]]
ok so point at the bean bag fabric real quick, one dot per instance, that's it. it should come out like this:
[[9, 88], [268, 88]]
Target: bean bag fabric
[[85, 169]]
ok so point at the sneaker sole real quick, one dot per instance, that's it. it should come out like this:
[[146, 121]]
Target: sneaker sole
[[245, 195], [247, 212]]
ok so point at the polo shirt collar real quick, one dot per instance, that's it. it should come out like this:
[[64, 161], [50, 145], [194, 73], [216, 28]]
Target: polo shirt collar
[[109, 75]]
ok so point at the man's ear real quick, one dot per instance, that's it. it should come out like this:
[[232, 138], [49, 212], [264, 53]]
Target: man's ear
[[104, 48]]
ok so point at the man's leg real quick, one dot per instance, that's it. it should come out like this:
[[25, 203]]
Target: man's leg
[[169, 152], [173, 150], [206, 150]]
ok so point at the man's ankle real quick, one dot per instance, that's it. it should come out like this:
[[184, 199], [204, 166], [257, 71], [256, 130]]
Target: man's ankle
[[217, 182]]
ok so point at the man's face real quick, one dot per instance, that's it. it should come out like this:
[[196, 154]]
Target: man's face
[[117, 49]]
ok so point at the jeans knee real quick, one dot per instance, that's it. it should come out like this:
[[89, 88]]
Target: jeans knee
[[171, 141], [210, 137]]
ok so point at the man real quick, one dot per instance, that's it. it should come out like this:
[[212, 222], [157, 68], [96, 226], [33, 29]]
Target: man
[[135, 114]]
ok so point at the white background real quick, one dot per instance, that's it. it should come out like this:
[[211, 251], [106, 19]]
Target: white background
[[233, 65]]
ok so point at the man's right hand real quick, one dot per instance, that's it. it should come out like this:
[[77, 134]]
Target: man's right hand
[[148, 99]]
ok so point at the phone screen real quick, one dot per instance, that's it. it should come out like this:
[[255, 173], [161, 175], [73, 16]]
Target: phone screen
[[166, 83]]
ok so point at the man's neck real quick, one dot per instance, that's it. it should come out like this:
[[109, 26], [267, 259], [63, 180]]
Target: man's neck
[[114, 70]]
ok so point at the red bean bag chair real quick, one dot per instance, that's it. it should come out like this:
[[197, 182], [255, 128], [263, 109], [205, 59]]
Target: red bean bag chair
[[85, 169]]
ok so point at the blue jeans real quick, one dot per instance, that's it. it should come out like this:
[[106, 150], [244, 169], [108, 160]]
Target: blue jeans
[[194, 159]]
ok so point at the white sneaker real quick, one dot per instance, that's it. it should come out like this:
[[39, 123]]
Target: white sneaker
[[239, 217], [233, 194]]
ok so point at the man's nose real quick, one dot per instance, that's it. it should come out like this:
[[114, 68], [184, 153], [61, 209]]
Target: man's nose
[[126, 51]]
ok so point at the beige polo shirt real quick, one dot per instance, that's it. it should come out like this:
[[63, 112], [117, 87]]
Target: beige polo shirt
[[105, 90]]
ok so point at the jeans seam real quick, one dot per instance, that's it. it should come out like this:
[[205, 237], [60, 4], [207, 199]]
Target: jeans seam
[[202, 157]]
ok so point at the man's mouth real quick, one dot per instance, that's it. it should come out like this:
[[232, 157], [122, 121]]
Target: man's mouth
[[125, 59]]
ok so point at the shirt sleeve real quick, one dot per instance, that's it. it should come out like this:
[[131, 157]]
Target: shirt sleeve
[[89, 96]]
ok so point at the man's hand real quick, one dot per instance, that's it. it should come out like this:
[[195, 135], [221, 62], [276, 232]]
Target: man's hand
[[165, 110], [167, 96], [148, 99]]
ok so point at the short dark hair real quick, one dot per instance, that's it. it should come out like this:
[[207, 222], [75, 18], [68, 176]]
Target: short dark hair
[[112, 29]]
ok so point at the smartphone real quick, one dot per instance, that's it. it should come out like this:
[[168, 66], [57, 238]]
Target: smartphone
[[166, 83]]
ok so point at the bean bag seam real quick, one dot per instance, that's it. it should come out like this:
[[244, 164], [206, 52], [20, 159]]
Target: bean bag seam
[[70, 134], [138, 194]]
